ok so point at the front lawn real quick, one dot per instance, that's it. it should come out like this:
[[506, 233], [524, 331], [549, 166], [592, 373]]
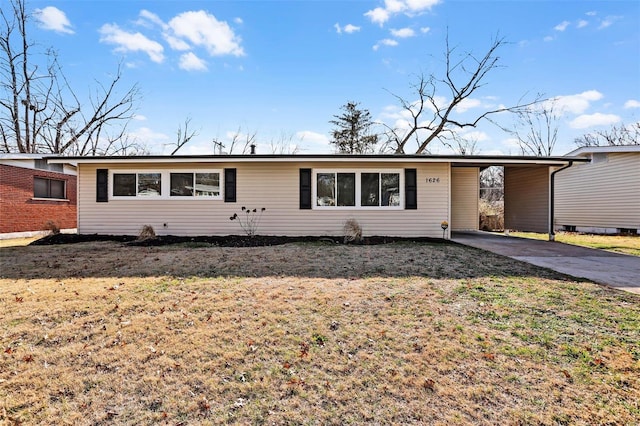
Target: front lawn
[[309, 333]]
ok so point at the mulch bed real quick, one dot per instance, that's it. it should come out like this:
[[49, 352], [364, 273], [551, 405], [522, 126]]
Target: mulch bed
[[221, 241]]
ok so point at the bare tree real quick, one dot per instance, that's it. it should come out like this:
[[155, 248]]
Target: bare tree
[[284, 144], [242, 139], [463, 144], [537, 128], [184, 135], [431, 118], [40, 112], [617, 135]]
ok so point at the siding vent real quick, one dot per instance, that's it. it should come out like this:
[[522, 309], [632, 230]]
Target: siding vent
[[627, 231]]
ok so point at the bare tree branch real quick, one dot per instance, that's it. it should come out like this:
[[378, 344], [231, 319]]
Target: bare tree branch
[[39, 111], [616, 136], [430, 118], [537, 128], [184, 135]]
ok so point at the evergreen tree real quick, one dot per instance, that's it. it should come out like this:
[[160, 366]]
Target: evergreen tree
[[352, 132]]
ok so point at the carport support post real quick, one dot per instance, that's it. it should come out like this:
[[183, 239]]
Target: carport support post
[[552, 191]]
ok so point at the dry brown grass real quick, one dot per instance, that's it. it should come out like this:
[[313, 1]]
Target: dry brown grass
[[626, 244], [100, 333]]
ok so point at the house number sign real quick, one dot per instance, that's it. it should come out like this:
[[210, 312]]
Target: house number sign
[[433, 180]]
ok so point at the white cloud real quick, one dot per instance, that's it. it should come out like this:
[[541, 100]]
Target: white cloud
[[157, 143], [349, 28], [52, 18], [403, 33], [190, 62], [425, 30], [632, 103], [562, 26], [385, 42], [474, 135], [176, 43], [582, 23], [607, 22], [139, 117], [592, 13], [468, 103], [591, 120], [548, 38], [238, 21], [150, 17], [577, 104], [313, 142], [380, 15], [203, 29], [131, 42]]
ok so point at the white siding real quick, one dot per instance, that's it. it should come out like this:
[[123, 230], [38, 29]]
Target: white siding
[[526, 198], [464, 198], [602, 194], [274, 186]]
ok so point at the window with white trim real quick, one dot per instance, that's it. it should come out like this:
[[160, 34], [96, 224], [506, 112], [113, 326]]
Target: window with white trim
[[173, 184], [358, 189], [137, 184], [196, 184]]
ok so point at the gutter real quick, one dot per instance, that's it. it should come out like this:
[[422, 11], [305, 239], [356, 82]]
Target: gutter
[[552, 232]]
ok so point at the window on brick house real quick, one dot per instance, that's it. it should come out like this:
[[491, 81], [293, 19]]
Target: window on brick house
[[49, 188]]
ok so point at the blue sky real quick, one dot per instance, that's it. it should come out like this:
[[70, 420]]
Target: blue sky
[[282, 69]]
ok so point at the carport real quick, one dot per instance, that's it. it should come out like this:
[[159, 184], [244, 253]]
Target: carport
[[528, 191]]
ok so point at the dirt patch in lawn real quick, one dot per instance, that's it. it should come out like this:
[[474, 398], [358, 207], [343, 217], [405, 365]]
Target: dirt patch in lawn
[[316, 332]]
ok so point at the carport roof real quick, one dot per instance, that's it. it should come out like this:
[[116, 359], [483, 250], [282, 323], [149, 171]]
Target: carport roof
[[455, 160]]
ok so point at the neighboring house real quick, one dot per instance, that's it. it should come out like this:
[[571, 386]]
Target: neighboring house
[[602, 196], [390, 195], [36, 196]]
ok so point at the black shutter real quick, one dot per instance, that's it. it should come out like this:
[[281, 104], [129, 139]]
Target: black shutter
[[102, 186], [229, 185], [410, 189], [305, 189]]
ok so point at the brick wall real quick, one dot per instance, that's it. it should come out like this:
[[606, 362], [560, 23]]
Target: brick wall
[[19, 212]]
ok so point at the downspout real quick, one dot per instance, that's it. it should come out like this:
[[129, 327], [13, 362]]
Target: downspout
[[552, 232]]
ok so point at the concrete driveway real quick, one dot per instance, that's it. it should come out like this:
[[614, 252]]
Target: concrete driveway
[[615, 270]]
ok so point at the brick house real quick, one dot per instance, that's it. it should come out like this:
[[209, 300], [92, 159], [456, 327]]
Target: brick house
[[36, 196]]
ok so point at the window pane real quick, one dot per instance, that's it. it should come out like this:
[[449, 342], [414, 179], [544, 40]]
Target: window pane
[[124, 185], [40, 188], [346, 189], [326, 184], [57, 189], [207, 184], [370, 189], [390, 189], [149, 184], [181, 184]]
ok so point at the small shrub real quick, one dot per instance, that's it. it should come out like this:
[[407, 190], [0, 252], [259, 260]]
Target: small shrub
[[249, 220], [52, 226], [352, 231], [147, 233]]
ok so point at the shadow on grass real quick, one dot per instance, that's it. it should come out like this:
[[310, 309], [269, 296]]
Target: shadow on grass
[[306, 257]]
